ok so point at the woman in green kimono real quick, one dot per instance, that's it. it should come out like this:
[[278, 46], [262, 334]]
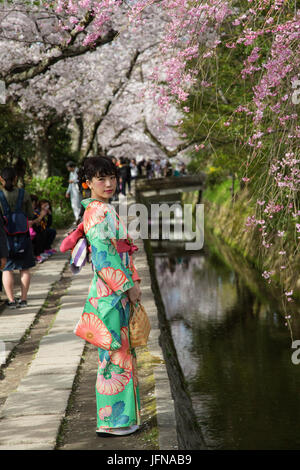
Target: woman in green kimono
[[105, 318]]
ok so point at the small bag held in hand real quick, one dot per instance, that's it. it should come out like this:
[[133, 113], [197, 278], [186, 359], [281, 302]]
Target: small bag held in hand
[[139, 326]]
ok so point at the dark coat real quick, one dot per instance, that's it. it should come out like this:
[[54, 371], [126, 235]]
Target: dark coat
[[3, 241]]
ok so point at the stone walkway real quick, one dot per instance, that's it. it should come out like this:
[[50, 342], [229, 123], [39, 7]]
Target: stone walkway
[[31, 416]]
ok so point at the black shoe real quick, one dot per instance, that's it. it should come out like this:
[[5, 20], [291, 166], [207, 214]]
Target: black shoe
[[13, 304], [22, 303]]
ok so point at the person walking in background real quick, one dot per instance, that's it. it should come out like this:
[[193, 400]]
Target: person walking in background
[[20, 257], [20, 169], [3, 244], [177, 171], [140, 166], [73, 190], [163, 165], [133, 170], [3, 249], [128, 175], [157, 168], [125, 176], [169, 170], [183, 169], [149, 169]]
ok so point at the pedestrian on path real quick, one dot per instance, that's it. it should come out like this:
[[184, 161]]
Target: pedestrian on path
[[125, 175], [23, 261], [3, 245], [3, 249], [105, 319], [134, 172], [73, 190]]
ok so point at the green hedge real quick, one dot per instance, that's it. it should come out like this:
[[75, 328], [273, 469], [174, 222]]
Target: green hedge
[[53, 189]]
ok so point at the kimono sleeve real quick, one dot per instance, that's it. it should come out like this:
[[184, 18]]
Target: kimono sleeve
[[106, 260]]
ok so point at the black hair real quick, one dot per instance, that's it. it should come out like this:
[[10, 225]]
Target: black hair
[[96, 166], [42, 201], [20, 167], [34, 197], [9, 175]]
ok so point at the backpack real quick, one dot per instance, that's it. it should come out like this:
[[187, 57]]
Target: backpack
[[16, 226]]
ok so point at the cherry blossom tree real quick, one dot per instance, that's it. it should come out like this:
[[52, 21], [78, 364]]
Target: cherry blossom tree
[[51, 45], [102, 88], [267, 34]]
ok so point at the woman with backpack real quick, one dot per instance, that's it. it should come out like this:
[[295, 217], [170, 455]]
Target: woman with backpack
[[20, 247], [3, 249]]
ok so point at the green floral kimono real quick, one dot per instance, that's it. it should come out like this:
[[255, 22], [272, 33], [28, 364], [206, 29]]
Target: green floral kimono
[[105, 318]]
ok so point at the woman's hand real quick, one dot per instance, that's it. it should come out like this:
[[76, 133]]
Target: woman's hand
[[38, 219], [134, 293], [43, 213]]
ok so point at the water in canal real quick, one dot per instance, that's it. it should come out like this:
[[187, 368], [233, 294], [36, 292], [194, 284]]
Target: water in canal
[[234, 350]]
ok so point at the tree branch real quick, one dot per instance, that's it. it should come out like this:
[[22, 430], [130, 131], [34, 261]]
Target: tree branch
[[24, 72], [109, 103], [169, 153]]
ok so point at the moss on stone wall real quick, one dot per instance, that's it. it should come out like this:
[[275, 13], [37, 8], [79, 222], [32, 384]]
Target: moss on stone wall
[[226, 219]]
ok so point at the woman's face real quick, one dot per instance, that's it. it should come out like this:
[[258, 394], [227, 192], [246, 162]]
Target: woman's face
[[45, 206], [102, 187]]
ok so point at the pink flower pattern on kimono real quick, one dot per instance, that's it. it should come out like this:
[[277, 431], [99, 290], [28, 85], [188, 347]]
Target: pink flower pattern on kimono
[[105, 412], [115, 278], [102, 289], [94, 301], [122, 357], [92, 329], [94, 214], [111, 383]]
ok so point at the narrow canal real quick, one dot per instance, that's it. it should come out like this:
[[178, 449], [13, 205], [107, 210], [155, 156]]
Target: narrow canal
[[234, 350]]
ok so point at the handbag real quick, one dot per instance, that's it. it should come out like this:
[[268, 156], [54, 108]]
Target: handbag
[[139, 326], [79, 255]]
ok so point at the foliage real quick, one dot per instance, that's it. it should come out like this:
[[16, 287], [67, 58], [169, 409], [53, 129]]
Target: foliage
[[53, 189], [214, 175], [15, 140], [220, 193], [240, 111], [62, 218], [60, 148]]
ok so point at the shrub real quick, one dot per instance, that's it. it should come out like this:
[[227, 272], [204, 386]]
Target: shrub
[[214, 176]]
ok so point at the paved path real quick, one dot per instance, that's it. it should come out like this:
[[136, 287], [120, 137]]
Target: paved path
[[31, 416]]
